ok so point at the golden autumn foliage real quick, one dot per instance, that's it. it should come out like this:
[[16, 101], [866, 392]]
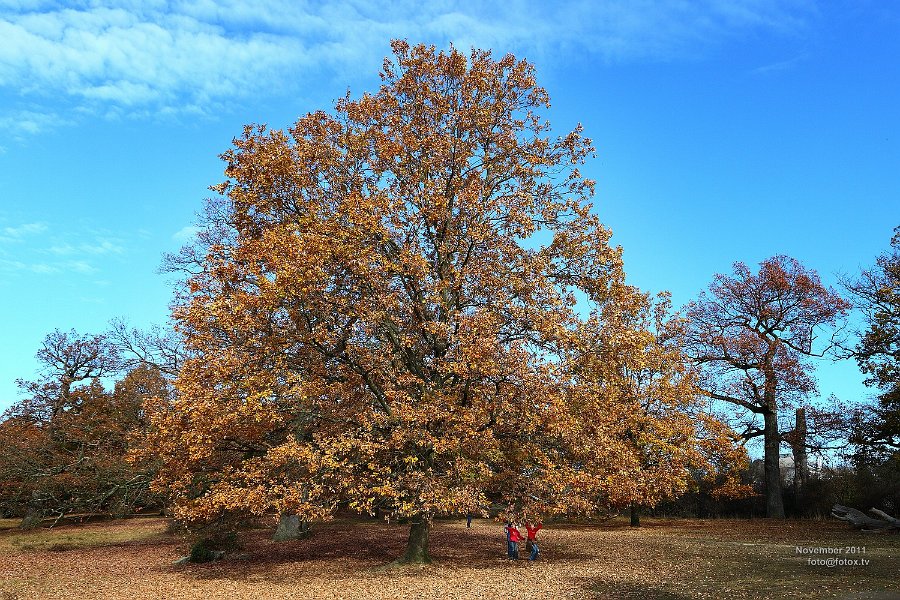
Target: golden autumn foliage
[[386, 308], [60, 456]]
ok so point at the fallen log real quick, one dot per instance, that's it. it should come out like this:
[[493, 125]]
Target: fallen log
[[861, 520], [883, 515]]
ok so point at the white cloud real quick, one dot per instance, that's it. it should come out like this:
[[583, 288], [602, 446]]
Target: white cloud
[[93, 248], [21, 231], [20, 123], [32, 248], [137, 57], [185, 234], [80, 266], [18, 266], [784, 65], [12, 265], [42, 268]]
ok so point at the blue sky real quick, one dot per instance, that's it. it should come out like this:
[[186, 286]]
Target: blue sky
[[726, 130]]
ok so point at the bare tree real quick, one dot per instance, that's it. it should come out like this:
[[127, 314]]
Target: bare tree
[[159, 347]]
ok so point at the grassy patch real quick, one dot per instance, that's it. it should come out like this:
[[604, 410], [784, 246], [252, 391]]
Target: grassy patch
[[9, 524], [76, 538], [759, 561]]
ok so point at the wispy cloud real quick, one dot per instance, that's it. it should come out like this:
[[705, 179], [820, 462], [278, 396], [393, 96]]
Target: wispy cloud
[[195, 56], [783, 65], [81, 266], [97, 247], [19, 266], [185, 234], [21, 123], [40, 249], [42, 268], [18, 232]]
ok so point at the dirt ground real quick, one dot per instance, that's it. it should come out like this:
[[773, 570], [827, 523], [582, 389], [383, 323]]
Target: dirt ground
[[669, 559]]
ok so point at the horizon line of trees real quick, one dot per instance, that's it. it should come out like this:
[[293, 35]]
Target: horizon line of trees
[[73, 446], [69, 444]]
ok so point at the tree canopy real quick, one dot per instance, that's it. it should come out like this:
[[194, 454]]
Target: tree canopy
[[407, 305], [64, 446], [751, 336]]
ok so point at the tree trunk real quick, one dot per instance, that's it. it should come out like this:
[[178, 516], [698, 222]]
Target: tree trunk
[[33, 513], [289, 528], [417, 546], [774, 502], [31, 520], [801, 466], [635, 515]]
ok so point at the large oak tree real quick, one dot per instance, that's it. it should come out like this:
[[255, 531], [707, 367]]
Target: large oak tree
[[381, 310]]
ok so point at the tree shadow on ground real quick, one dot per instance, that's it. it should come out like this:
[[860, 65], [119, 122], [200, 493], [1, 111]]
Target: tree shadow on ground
[[352, 550]]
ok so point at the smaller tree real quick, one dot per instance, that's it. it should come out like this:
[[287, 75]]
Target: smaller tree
[[751, 336], [63, 447], [815, 433], [635, 431], [66, 359]]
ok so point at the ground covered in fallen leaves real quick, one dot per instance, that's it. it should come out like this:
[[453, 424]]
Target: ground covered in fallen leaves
[[669, 559]]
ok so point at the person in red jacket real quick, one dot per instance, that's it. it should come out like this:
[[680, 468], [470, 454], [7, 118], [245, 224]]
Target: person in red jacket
[[531, 544], [513, 536]]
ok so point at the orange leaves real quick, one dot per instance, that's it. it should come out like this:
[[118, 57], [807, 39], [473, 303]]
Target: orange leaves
[[635, 425], [390, 318], [65, 450]]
